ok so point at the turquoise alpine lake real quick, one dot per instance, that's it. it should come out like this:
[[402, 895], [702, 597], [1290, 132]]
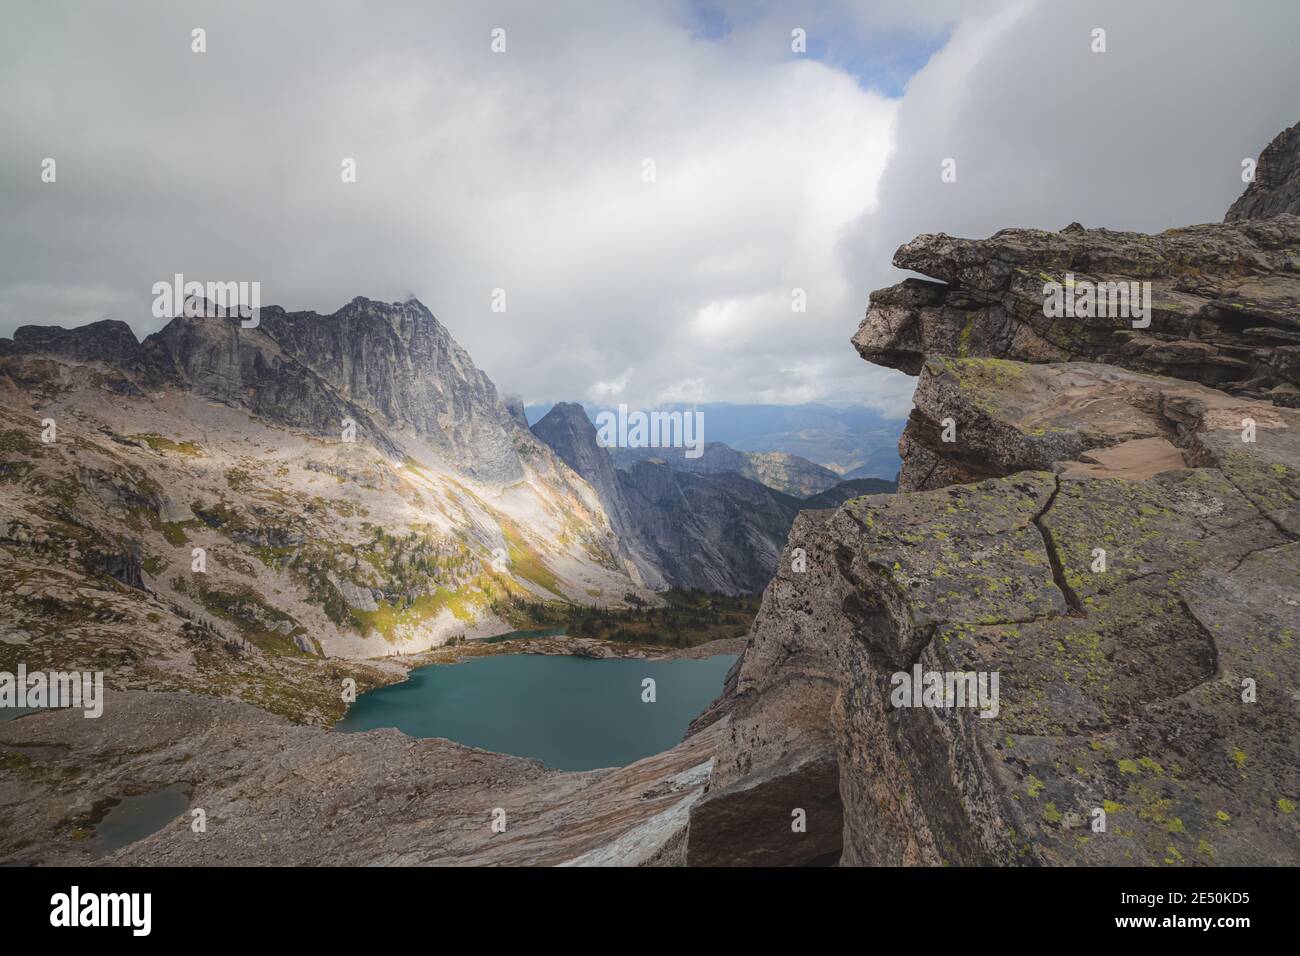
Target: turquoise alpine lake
[[571, 713]]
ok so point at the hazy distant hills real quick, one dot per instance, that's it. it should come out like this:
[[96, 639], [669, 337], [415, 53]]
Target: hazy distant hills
[[789, 474], [852, 441]]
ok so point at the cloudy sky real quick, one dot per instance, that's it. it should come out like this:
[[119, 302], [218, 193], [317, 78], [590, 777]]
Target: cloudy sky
[[525, 170]]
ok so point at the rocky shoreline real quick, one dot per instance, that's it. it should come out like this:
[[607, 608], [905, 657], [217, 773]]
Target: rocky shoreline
[[274, 792]]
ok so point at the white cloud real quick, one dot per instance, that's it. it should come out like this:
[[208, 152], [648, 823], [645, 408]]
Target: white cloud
[[476, 171], [522, 171], [1148, 135], [603, 391]]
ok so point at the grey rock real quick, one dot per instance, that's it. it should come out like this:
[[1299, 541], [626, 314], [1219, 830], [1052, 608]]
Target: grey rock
[[1209, 284], [398, 362], [1276, 188], [1119, 690], [714, 532], [105, 341]]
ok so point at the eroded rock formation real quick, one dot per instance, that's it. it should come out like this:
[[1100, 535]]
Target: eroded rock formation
[[1107, 519], [1225, 303]]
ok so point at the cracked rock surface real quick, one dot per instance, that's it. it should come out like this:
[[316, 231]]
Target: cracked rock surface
[[1106, 519]]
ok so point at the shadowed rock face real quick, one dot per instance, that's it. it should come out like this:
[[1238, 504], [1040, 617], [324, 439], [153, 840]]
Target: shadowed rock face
[[1276, 189], [716, 532], [249, 369], [1121, 549]]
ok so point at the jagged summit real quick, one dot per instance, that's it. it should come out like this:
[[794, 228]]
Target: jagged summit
[[1276, 187], [400, 362], [393, 368]]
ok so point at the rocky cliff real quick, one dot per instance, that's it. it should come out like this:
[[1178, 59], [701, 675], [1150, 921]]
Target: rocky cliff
[[1225, 303], [1104, 519], [1276, 187]]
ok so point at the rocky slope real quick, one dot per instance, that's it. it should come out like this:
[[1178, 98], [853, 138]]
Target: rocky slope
[[1121, 548], [720, 532], [715, 532], [275, 793], [567, 431], [228, 440]]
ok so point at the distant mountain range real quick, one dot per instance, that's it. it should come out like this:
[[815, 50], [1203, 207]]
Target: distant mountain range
[[717, 522], [851, 441], [789, 474]]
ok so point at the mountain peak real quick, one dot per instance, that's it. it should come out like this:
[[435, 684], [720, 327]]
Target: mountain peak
[[569, 412], [1276, 187]]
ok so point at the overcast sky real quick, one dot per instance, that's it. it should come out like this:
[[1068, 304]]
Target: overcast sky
[[525, 170]]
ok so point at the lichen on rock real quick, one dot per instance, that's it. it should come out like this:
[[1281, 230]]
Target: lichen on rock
[[1105, 517]]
